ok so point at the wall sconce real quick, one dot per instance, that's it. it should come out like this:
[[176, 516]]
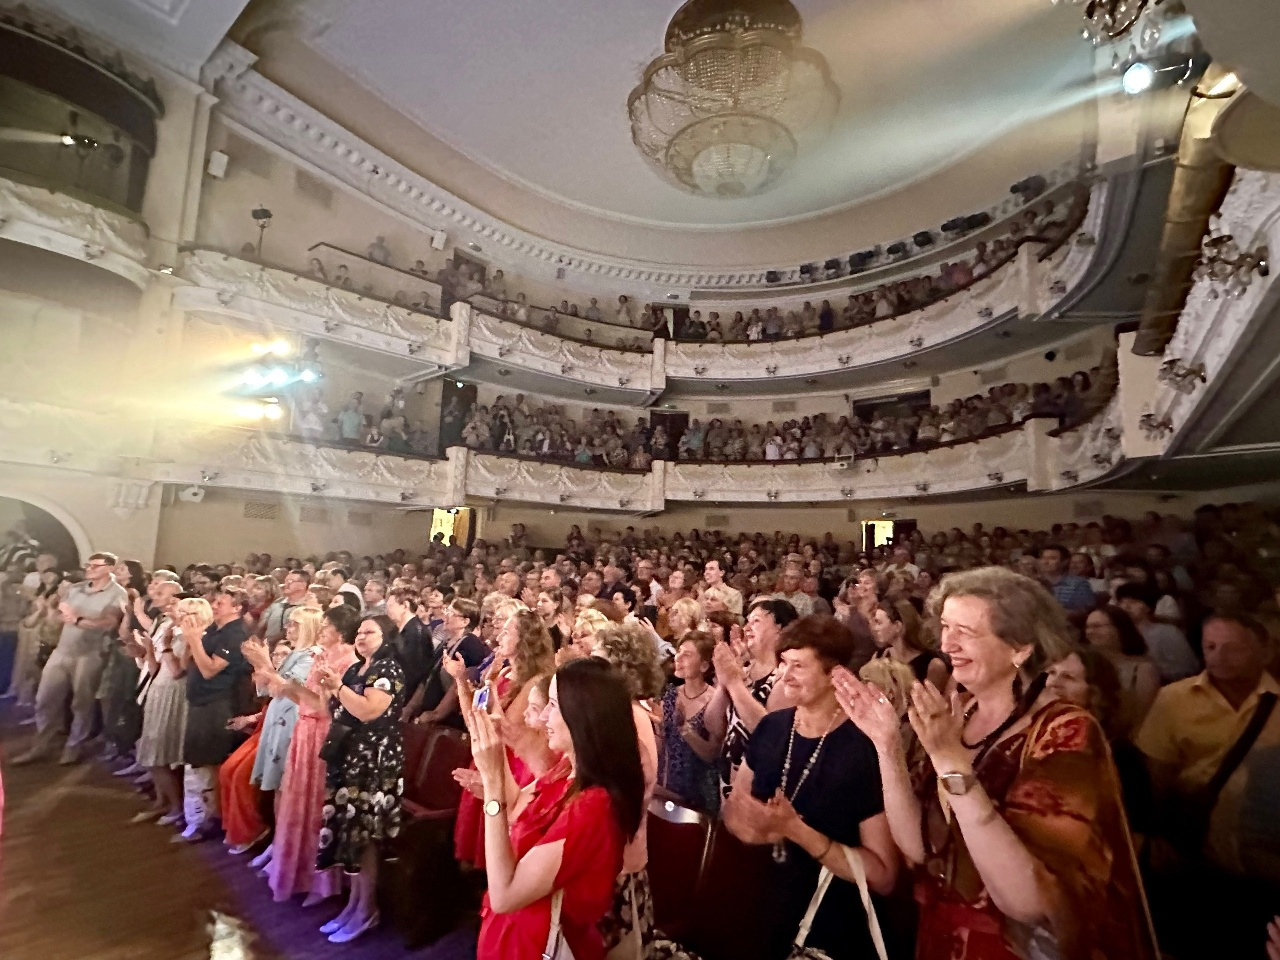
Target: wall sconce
[[699, 494], [916, 343], [225, 297], [699, 370], [331, 326], [499, 491], [566, 367], [623, 381], [407, 495], [846, 492], [722, 387], [503, 351], [1071, 476], [56, 457], [986, 313], [1086, 240], [504, 371], [996, 477], [771, 370], [1154, 428], [624, 503], [589, 391], [922, 487], [1181, 377], [93, 251], [318, 486], [1058, 288], [1224, 264], [208, 476], [415, 349], [844, 359], [772, 494], [564, 498]]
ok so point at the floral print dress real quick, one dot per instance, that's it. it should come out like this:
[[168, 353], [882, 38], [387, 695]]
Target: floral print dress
[[364, 785]]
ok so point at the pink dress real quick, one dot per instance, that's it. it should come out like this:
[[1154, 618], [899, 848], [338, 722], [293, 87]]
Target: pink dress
[[302, 791]]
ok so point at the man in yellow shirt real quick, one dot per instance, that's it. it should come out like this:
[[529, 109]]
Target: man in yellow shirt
[[1190, 729]]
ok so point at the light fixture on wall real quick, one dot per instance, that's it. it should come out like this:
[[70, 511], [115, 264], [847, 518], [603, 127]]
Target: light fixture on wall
[[1180, 376], [725, 109], [1225, 265]]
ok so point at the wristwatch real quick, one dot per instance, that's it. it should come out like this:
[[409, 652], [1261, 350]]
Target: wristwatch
[[957, 784], [493, 807]]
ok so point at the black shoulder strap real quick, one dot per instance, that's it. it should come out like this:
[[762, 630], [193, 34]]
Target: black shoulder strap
[[1240, 749]]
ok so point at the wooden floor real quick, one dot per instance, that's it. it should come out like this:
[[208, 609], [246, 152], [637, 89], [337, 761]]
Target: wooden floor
[[79, 882]]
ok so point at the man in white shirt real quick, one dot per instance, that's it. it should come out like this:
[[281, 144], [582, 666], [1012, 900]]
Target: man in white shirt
[[900, 563], [717, 592]]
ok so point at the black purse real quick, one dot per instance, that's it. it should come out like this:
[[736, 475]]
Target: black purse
[[332, 748]]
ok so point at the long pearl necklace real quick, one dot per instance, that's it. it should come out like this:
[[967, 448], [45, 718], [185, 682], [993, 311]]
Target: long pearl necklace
[[779, 848]]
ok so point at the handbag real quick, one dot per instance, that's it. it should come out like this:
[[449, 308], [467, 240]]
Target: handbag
[[331, 749], [798, 950], [557, 946], [631, 947]]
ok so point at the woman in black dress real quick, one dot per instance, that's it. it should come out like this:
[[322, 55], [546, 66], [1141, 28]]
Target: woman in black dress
[[364, 755], [810, 787]]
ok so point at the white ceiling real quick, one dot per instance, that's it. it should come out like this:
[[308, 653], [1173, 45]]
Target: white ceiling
[[536, 92], [181, 34]]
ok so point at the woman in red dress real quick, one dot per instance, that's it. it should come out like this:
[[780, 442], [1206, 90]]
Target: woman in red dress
[[560, 840], [1014, 823], [524, 654]]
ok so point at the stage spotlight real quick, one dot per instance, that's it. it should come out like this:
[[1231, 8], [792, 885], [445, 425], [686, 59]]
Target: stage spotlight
[[772, 276], [250, 411], [923, 239], [308, 375], [896, 249], [277, 376], [272, 409], [1138, 78], [254, 377]]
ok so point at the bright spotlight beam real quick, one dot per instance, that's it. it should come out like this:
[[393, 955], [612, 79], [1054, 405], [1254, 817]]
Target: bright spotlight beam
[[1138, 78]]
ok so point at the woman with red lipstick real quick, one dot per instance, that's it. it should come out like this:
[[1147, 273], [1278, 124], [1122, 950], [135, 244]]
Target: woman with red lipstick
[[1014, 823]]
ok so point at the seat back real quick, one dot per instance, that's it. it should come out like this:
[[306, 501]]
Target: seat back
[[678, 842], [731, 912], [446, 751], [416, 736]]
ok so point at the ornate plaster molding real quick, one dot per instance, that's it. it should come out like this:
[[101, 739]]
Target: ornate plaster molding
[[1212, 324], [507, 342], [74, 228], [266, 109], [502, 478], [222, 284]]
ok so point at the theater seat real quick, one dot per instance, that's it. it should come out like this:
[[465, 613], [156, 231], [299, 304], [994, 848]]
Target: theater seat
[[421, 890], [730, 908], [678, 838]]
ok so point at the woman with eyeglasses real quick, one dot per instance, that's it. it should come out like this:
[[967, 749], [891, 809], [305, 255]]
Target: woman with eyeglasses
[[364, 780]]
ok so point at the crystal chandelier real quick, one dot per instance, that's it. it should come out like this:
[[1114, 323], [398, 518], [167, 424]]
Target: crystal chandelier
[[1106, 20], [725, 109]]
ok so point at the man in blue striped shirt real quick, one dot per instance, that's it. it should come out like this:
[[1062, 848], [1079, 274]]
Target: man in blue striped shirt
[[1074, 593]]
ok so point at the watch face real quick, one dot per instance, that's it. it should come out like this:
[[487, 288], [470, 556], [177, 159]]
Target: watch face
[[492, 808], [956, 784]]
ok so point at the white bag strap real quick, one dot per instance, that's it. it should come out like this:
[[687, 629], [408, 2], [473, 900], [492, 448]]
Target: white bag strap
[[860, 877], [824, 881], [553, 935]]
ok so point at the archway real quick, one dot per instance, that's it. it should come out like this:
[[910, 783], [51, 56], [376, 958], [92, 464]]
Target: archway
[[48, 524]]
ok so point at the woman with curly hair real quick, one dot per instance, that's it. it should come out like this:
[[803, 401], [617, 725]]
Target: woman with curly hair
[[631, 649], [524, 654]]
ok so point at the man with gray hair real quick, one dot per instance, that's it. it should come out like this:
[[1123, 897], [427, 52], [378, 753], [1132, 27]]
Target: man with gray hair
[[90, 614]]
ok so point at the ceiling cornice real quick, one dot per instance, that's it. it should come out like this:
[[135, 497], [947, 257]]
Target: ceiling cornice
[[270, 114]]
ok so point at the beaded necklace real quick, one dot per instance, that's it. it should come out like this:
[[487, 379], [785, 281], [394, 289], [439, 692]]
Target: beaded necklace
[[779, 849]]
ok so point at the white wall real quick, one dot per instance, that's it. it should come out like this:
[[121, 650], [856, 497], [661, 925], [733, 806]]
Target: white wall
[[217, 531]]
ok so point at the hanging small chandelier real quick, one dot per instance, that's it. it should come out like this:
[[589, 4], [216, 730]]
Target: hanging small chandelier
[[1108, 20], [725, 109]]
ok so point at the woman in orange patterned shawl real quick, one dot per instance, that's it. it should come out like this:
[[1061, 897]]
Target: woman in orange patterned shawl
[[1014, 822]]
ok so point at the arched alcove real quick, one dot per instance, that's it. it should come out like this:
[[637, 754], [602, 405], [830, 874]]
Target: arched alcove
[[53, 528]]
